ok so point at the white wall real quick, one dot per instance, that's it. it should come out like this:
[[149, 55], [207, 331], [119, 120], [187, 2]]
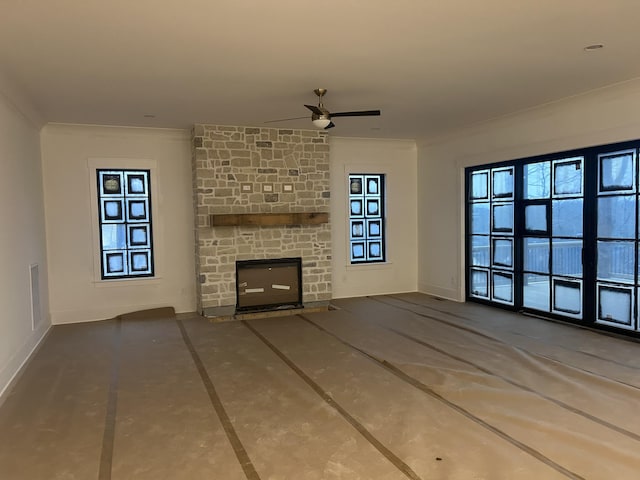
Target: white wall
[[22, 236], [397, 160], [76, 292], [602, 116]]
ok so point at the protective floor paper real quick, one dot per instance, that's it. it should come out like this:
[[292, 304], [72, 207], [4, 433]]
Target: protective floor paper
[[389, 387]]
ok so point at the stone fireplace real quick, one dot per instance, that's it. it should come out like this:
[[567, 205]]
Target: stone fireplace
[[259, 193]]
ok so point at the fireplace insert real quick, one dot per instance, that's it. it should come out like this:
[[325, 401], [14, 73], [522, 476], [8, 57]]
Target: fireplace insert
[[269, 284]]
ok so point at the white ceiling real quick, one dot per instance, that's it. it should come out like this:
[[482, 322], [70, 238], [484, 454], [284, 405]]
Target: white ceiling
[[431, 66]]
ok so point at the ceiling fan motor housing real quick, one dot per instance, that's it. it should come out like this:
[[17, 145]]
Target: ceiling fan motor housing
[[321, 117]]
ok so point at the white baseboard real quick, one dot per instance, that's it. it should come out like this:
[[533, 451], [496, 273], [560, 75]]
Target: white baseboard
[[441, 292], [10, 372]]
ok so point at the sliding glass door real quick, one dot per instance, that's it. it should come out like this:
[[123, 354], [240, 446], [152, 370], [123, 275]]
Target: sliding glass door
[[557, 235], [552, 236]]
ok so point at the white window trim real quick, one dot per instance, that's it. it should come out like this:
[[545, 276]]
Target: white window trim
[[363, 168], [94, 164]]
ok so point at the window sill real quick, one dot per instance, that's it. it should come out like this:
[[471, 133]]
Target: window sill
[[369, 266], [121, 282]]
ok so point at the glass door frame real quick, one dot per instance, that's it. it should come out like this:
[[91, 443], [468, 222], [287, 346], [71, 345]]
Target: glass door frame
[[589, 235]]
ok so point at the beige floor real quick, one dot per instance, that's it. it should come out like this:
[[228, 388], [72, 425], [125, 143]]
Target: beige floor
[[391, 387]]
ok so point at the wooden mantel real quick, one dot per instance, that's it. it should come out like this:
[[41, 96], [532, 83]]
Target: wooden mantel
[[268, 219]]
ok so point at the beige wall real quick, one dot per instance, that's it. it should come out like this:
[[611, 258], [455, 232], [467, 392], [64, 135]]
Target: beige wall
[[603, 116], [77, 294], [22, 237], [397, 160], [69, 152]]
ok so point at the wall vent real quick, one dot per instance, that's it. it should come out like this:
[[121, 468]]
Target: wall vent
[[36, 314]]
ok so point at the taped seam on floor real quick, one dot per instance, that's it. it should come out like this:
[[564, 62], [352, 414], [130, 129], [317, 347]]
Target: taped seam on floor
[[590, 372], [388, 454], [108, 437], [241, 454], [581, 327], [497, 340], [432, 393], [560, 403]]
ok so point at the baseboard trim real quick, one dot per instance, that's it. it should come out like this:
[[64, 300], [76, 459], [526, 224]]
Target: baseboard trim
[[436, 291], [20, 366]]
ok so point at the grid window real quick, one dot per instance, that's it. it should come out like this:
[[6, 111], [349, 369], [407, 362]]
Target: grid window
[[124, 201], [366, 218], [559, 235], [491, 228]]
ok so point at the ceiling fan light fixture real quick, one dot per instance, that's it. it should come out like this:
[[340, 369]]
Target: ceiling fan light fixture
[[321, 122]]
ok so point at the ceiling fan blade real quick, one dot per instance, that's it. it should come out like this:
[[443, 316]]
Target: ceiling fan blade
[[331, 125], [315, 109], [286, 119], [361, 113]]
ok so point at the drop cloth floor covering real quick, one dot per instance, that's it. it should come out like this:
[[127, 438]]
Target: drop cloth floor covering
[[390, 387]]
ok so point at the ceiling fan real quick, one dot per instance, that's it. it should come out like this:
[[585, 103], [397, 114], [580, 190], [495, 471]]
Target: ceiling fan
[[321, 117]]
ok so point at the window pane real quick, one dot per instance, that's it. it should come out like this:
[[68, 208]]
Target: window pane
[[535, 218], [616, 261], [355, 185], [617, 216], [567, 257], [503, 287], [567, 297], [536, 255], [139, 235], [480, 218], [136, 183], [567, 218], [537, 180], [480, 283], [373, 207], [615, 305], [112, 210], [503, 252], [110, 183], [480, 251], [567, 177], [114, 236], [502, 183], [617, 171], [373, 185], [375, 250], [536, 292], [356, 208], [114, 263], [480, 186], [357, 251], [357, 228], [503, 217], [137, 211], [139, 261], [374, 228]]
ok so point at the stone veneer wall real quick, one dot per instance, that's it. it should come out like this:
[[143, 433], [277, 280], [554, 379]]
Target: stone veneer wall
[[227, 157]]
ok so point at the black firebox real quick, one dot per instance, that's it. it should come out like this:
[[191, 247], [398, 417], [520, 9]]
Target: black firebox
[[268, 284]]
